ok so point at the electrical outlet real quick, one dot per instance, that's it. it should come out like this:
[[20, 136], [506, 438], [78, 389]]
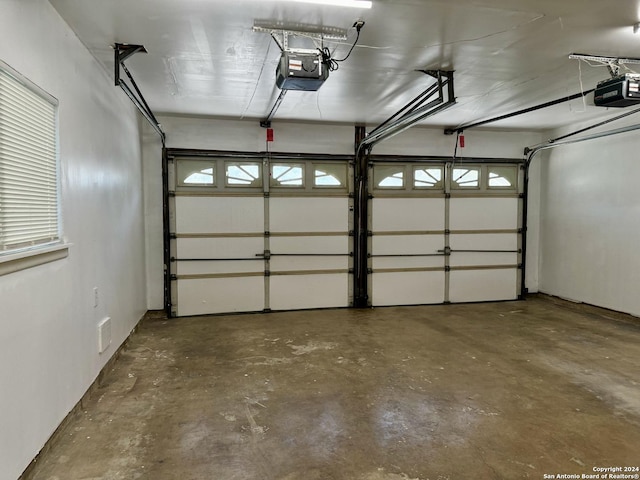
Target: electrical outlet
[[104, 334], [95, 297]]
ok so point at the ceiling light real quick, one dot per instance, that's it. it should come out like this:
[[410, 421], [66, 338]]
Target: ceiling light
[[338, 3]]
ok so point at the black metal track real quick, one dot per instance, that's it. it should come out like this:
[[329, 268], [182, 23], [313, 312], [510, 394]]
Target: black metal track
[[123, 51], [461, 128], [266, 123], [421, 107]]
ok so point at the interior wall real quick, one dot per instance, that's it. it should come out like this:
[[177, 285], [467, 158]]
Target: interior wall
[[590, 230], [48, 334], [247, 135]]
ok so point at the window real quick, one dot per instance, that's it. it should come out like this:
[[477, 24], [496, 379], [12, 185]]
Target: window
[[287, 175], [388, 176], [329, 175], [428, 177], [243, 174], [503, 177], [29, 205], [465, 177], [197, 173]]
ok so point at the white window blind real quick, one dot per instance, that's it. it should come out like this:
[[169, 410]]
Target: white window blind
[[28, 164]]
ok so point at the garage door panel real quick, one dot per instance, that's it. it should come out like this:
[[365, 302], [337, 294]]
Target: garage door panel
[[220, 295], [502, 241], [483, 285], [303, 244], [407, 288], [408, 214], [288, 264], [219, 214], [219, 267], [458, 259], [219, 247], [407, 244], [309, 214], [290, 292], [407, 262], [484, 213]]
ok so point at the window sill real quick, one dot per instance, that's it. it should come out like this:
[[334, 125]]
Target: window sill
[[14, 262]]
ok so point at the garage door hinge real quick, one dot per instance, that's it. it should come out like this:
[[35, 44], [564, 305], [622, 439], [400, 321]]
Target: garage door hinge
[[172, 193], [173, 236], [447, 195], [266, 255], [266, 194], [351, 254], [267, 273], [370, 197], [369, 271], [519, 266], [267, 234], [173, 277], [369, 233], [351, 271], [522, 230], [172, 259], [352, 233], [447, 232], [521, 195], [447, 268], [352, 195]]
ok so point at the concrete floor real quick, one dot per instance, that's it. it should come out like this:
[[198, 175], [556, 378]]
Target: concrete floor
[[504, 390]]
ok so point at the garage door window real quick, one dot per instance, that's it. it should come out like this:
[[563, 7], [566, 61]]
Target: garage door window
[[243, 174], [428, 177], [503, 177], [328, 175], [388, 176], [197, 173], [468, 177], [287, 175]]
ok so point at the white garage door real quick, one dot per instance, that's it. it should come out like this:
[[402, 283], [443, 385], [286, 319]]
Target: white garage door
[[257, 234], [443, 232]]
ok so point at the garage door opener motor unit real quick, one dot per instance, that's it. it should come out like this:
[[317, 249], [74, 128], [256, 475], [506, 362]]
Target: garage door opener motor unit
[[620, 91], [301, 70]]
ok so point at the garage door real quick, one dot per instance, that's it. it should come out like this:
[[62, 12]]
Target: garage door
[[444, 232], [255, 234]]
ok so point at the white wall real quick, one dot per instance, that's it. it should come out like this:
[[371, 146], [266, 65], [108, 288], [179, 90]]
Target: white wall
[[247, 135], [48, 325], [590, 230]]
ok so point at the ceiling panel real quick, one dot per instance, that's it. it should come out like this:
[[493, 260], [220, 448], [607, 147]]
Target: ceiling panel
[[205, 59]]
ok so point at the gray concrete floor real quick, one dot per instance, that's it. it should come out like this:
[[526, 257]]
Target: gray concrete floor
[[503, 390]]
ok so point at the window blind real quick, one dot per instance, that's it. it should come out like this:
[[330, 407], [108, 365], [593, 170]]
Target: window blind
[[28, 165]]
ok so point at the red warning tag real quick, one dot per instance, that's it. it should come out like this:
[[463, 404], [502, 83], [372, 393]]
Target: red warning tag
[[269, 134], [461, 141]]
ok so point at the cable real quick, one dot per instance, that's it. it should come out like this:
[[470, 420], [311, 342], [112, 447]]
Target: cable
[[334, 63]]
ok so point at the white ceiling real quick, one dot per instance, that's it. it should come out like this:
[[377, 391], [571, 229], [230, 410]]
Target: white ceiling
[[205, 59]]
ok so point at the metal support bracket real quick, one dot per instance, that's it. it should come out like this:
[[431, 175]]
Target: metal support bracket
[[122, 51], [434, 99]]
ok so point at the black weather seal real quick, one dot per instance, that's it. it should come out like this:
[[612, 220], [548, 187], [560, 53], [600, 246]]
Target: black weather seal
[[122, 51]]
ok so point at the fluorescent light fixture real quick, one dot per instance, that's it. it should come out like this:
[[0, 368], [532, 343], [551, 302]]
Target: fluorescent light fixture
[[338, 3]]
